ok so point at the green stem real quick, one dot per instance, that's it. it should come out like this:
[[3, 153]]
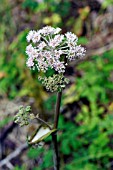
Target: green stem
[[57, 113], [55, 152], [54, 135]]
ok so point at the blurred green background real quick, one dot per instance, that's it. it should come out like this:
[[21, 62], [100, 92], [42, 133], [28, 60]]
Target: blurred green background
[[86, 123]]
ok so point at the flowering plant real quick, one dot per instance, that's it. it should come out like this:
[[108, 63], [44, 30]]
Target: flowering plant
[[50, 49]]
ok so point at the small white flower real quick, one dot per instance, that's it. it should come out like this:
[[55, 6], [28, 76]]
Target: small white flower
[[71, 37], [80, 51], [42, 66], [51, 62], [56, 40], [49, 59], [41, 45], [47, 54], [57, 30], [34, 53], [49, 30], [71, 56], [59, 66], [71, 45], [30, 62], [30, 35], [46, 30], [58, 53], [29, 50], [36, 37]]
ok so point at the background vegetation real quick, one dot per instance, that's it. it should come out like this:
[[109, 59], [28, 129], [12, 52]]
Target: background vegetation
[[86, 123]]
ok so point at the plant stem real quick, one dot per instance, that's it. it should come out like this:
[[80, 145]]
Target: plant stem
[[42, 121], [54, 135], [55, 152], [57, 113]]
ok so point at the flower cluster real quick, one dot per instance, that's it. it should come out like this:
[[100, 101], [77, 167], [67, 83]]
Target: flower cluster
[[48, 49], [24, 116], [55, 83]]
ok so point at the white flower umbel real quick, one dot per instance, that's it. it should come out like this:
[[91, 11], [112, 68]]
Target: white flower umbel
[[48, 49]]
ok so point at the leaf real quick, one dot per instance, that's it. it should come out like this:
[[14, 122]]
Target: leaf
[[106, 3], [84, 12], [82, 40], [41, 134], [33, 153], [56, 18], [78, 26]]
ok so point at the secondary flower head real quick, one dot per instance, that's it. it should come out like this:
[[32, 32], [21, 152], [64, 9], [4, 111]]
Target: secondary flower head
[[48, 49]]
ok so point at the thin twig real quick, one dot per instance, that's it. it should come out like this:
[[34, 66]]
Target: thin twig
[[7, 130], [10, 166], [13, 155], [99, 51], [41, 120], [3, 135]]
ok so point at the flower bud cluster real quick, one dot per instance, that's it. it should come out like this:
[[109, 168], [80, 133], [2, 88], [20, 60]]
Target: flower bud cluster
[[24, 116], [54, 83]]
